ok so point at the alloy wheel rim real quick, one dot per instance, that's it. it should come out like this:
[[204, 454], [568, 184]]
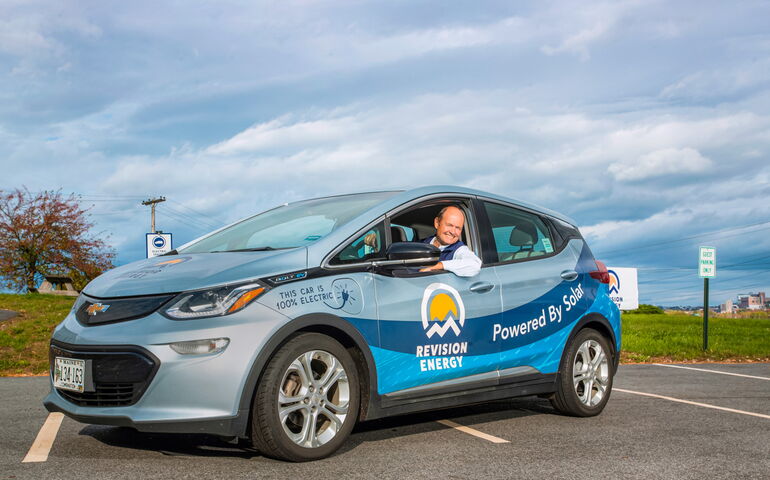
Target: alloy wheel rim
[[313, 398], [590, 373]]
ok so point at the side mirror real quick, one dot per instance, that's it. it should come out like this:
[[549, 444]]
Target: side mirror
[[412, 253]]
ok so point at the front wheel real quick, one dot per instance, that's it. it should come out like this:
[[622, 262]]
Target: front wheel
[[307, 401], [585, 377]]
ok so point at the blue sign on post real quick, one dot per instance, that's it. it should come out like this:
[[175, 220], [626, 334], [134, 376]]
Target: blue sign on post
[[158, 244]]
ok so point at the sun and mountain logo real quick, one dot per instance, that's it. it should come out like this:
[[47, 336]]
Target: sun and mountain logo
[[614, 285], [442, 310]]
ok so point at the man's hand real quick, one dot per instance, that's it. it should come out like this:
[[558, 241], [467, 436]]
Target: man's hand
[[438, 266]]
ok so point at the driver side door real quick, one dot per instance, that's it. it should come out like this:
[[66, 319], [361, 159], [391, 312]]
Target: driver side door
[[434, 327]]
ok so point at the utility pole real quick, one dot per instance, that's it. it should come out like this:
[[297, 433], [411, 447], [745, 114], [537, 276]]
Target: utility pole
[[152, 202]]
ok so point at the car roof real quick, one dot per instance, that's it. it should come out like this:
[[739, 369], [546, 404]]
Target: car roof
[[404, 196]]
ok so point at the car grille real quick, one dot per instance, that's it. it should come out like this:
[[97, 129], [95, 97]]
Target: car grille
[[95, 311], [106, 395], [116, 376]]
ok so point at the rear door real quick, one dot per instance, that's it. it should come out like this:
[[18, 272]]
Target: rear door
[[434, 327], [539, 290]]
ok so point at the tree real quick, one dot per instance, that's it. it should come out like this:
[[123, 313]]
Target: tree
[[45, 233]]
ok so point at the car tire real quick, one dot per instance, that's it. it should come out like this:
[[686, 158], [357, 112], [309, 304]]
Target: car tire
[[585, 376], [307, 400]]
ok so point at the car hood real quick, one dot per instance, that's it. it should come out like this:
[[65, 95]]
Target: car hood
[[177, 273]]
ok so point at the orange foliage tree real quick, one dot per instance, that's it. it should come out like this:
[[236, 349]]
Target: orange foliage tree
[[46, 233]]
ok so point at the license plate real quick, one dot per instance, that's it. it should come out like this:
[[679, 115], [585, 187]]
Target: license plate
[[68, 374]]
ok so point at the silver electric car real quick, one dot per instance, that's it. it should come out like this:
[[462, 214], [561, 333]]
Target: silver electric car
[[288, 327]]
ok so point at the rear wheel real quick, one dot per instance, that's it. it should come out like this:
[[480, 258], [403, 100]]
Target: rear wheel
[[307, 401], [585, 378]]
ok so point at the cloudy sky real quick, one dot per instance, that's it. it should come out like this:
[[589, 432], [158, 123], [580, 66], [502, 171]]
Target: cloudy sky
[[648, 122]]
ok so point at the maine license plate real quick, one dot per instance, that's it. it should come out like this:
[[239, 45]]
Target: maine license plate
[[68, 373]]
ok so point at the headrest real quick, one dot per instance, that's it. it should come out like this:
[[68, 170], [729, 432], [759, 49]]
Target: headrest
[[397, 234], [521, 236]]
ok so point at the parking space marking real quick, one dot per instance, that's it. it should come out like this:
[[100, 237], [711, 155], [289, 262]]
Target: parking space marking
[[689, 402], [40, 448], [712, 371], [471, 431]]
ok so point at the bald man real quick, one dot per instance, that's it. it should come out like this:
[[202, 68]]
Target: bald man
[[455, 257]]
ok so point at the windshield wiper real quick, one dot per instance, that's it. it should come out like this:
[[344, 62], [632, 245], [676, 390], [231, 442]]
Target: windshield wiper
[[254, 249]]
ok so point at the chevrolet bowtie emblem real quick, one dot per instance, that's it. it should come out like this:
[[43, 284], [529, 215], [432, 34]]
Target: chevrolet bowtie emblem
[[96, 308]]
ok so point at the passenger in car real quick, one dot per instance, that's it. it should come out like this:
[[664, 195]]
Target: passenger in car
[[455, 257]]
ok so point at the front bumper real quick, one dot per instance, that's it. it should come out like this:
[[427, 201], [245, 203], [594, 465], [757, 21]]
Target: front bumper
[[174, 393]]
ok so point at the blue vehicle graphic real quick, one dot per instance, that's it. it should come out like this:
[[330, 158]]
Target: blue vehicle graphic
[[288, 327]]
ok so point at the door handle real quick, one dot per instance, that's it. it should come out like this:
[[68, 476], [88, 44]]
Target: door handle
[[481, 287], [569, 275]]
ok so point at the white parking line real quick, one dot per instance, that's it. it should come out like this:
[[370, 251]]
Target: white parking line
[[40, 448], [711, 371], [698, 404], [470, 431]]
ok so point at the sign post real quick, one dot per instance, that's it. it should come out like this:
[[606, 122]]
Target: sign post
[[707, 268]]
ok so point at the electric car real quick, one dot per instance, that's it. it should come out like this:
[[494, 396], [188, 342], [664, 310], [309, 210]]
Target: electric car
[[290, 326]]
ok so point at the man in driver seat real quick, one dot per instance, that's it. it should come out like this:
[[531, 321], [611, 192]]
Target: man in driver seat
[[455, 257]]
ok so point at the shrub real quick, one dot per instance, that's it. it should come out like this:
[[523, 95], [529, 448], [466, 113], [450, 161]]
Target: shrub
[[644, 308]]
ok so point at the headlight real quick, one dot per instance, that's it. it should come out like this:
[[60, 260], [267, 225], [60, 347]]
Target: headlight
[[213, 303]]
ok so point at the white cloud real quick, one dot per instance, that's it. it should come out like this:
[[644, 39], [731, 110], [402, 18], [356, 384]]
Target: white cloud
[[663, 162], [594, 22], [281, 133], [726, 81], [563, 160], [30, 31]]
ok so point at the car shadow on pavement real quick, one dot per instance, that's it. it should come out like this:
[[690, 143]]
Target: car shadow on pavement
[[470, 416], [171, 444], [202, 445]]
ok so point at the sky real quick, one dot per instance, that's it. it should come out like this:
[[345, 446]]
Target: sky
[[647, 122]]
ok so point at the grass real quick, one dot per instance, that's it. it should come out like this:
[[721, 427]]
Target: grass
[[646, 337], [24, 338], [679, 338]]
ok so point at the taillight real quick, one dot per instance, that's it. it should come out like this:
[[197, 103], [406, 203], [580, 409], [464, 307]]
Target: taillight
[[601, 273]]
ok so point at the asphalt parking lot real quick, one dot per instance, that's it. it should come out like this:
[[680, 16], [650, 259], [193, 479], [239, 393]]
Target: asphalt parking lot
[[673, 434]]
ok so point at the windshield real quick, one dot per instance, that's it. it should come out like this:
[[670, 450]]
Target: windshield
[[288, 226]]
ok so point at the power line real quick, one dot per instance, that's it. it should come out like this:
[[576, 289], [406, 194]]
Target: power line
[[728, 267], [198, 223], [666, 242], [197, 220], [687, 287], [199, 213], [195, 225]]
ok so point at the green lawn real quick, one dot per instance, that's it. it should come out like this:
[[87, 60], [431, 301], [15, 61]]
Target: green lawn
[[24, 339], [646, 337], [665, 337]]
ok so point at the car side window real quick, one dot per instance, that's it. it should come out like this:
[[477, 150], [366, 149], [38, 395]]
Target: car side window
[[368, 246], [518, 235]]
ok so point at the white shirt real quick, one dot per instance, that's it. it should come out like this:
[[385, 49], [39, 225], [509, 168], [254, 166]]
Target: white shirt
[[464, 262]]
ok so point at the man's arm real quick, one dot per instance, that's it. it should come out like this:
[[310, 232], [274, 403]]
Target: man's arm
[[464, 263]]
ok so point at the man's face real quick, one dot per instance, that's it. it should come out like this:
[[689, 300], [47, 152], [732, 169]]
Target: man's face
[[449, 227]]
